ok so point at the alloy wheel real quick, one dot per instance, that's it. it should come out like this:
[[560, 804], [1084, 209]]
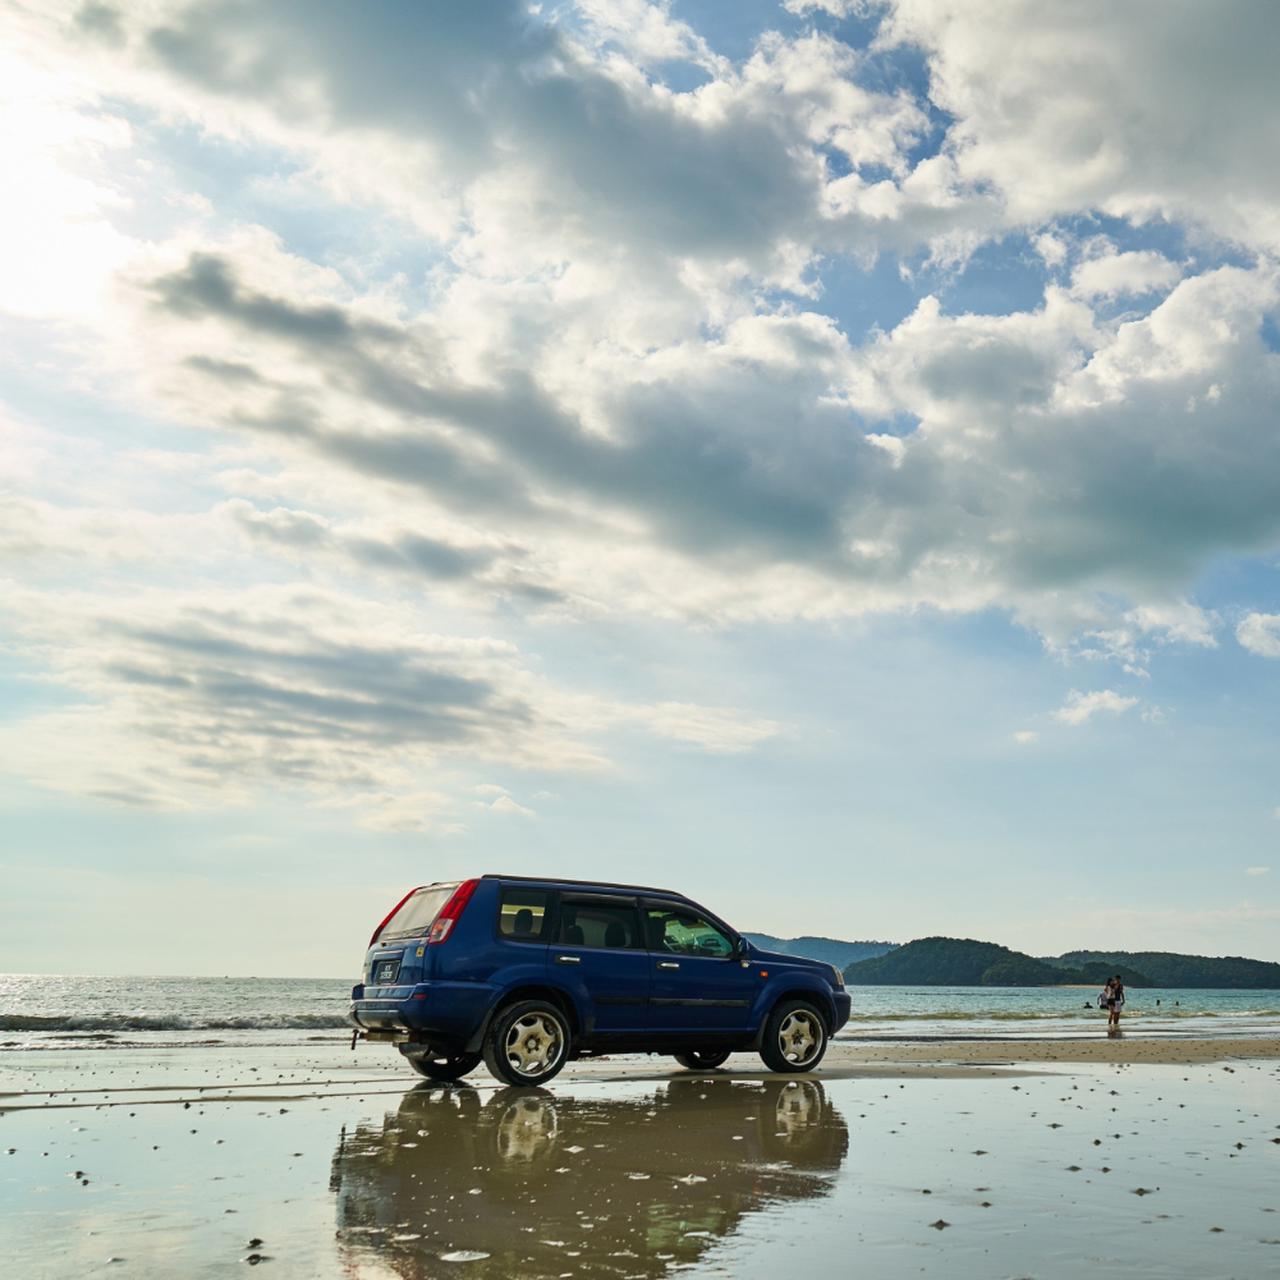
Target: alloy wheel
[[534, 1044], [800, 1037]]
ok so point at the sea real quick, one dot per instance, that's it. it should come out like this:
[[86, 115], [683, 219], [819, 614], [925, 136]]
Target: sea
[[48, 1011]]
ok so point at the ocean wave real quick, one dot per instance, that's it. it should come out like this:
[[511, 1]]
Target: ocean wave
[[55, 1023], [83, 1025]]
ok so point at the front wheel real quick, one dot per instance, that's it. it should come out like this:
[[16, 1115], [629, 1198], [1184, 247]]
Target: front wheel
[[795, 1037], [440, 1067], [527, 1043], [702, 1059]]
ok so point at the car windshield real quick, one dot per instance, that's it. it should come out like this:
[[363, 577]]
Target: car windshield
[[419, 911]]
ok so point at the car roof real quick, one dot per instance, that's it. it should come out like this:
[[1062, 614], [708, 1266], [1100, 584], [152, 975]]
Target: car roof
[[583, 884]]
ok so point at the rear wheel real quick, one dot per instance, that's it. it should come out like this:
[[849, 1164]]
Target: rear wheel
[[702, 1059], [441, 1067], [795, 1037], [527, 1043]]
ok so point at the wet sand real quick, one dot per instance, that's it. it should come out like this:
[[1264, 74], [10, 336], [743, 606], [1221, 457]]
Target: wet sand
[[1125, 1048], [955, 1158]]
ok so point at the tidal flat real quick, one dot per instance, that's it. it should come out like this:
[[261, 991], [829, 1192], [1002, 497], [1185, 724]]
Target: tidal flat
[[982, 1159]]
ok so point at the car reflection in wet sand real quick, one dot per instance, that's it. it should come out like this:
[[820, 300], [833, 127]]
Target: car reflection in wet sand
[[531, 1184]]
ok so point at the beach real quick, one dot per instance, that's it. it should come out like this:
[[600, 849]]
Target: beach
[[937, 1158]]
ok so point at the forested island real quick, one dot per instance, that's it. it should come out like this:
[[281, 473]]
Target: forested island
[[1170, 969], [965, 962]]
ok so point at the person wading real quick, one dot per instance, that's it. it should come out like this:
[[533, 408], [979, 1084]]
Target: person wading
[[1112, 999]]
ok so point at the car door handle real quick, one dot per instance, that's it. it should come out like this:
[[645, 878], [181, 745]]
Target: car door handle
[[568, 959], [667, 964]]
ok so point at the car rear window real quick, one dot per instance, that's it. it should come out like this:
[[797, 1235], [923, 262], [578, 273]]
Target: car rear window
[[419, 911], [523, 915]]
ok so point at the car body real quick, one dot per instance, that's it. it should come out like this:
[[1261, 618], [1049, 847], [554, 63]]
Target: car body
[[605, 968]]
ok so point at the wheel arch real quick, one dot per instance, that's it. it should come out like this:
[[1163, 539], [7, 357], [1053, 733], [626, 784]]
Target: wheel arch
[[528, 991], [819, 999]]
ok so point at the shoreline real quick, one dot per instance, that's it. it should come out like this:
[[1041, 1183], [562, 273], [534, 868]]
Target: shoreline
[[163, 1060]]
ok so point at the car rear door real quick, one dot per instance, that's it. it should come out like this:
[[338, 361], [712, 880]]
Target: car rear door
[[598, 953], [698, 982]]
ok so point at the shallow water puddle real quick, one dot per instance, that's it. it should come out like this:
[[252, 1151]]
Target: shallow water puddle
[[1134, 1171]]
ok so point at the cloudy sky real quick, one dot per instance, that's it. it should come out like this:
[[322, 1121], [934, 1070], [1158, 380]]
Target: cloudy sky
[[820, 455]]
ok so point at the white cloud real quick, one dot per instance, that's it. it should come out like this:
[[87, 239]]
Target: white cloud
[[497, 799], [1260, 634], [1124, 274], [211, 697], [1025, 737], [545, 140], [648, 33], [616, 310], [711, 728], [656, 481], [1257, 871], [1133, 109], [506, 805], [594, 400], [1176, 622], [1053, 249], [836, 8], [1082, 707]]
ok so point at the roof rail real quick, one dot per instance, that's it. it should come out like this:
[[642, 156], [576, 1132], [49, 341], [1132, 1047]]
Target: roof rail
[[598, 884]]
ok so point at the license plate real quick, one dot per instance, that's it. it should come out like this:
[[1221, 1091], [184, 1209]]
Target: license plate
[[386, 971]]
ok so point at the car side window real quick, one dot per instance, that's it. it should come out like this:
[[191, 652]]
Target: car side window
[[685, 934], [598, 924], [523, 914]]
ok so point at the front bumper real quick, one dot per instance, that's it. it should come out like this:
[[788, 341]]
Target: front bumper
[[844, 1007]]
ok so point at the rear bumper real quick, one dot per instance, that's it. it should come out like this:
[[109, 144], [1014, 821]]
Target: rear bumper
[[446, 1015]]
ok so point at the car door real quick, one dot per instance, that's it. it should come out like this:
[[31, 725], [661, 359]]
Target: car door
[[698, 981], [598, 953]]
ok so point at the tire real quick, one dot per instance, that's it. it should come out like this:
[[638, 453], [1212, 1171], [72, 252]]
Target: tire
[[702, 1059], [440, 1067], [527, 1043], [795, 1037]]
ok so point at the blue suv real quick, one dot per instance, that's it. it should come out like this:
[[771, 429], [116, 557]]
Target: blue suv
[[527, 974]]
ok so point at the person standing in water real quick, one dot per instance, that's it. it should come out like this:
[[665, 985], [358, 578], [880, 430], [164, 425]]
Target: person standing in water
[[1115, 1002]]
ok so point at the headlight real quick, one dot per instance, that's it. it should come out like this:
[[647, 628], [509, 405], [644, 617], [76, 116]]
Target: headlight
[[838, 976]]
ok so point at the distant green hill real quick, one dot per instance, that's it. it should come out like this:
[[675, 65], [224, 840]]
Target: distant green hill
[[945, 962], [831, 950], [965, 962], [1171, 969]]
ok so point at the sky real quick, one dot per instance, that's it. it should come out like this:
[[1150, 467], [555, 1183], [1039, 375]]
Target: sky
[[817, 455]]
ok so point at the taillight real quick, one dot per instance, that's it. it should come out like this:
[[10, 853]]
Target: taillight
[[442, 926], [386, 920]]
